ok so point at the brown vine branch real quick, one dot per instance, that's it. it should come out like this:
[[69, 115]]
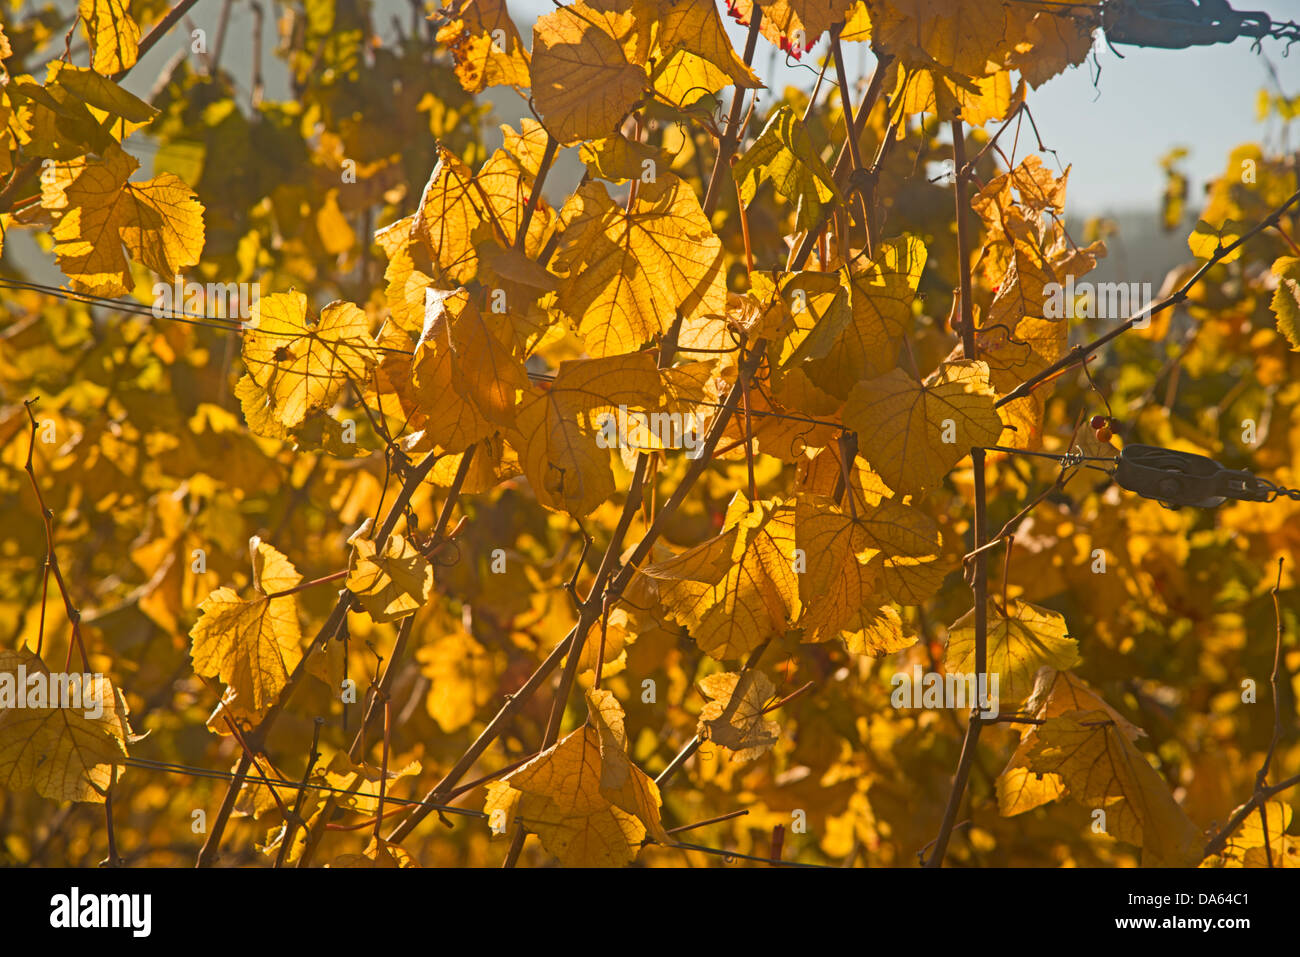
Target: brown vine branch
[[292, 820], [534, 195], [979, 584], [850, 139], [843, 163], [51, 558], [731, 135]]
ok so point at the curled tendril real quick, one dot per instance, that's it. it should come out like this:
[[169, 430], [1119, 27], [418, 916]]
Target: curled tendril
[[1006, 330], [799, 445]]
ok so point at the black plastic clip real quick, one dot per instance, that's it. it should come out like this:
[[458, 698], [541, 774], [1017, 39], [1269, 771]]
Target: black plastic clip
[[1175, 479]]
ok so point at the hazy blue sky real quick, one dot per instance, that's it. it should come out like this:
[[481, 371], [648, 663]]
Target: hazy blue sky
[[1113, 133]]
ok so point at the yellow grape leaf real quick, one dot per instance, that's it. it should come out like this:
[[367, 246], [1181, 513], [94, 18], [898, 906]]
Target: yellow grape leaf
[[451, 209], [336, 233], [628, 272], [100, 92], [913, 433], [737, 589], [1284, 852], [562, 447], [1207, 239], [695, 58], [99, 211], [683, 78], [68, 753], [357, 785], [618, 159], [113, 35], [1036, 187], [833, 564], [462, 676], [506, 185], [799, 23], [880, 300], [1251, 832], [1052, 43], [302, 364], [390, 585], [588, 68], [485, 45], [1100, 768], [784, 153], [911, 551], [615, 634], [734, 718], [1286, 299], [465, 372], [1020, 642], [251, 645], [943, 93], [823, 473], [804, 313], [1055, 693], [589, 804], [857, 25], [969, 37], [876, 632], [1011, 361]]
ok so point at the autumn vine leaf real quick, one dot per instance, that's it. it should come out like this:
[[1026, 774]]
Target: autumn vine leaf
[[486, 45], [251, 644], [302, 362], [1022, 639], [585, 800], [113, 34], [1099, 766], [589, 67], [733, 716], [736, 590], [556, 429], [919, 430], [390, 584], [99, 211], [1286, 299], [66, 753], [627, 403], [784, 154], [627, 271]]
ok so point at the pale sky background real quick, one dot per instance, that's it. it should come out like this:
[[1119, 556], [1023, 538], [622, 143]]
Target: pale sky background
[[1113, 132]]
